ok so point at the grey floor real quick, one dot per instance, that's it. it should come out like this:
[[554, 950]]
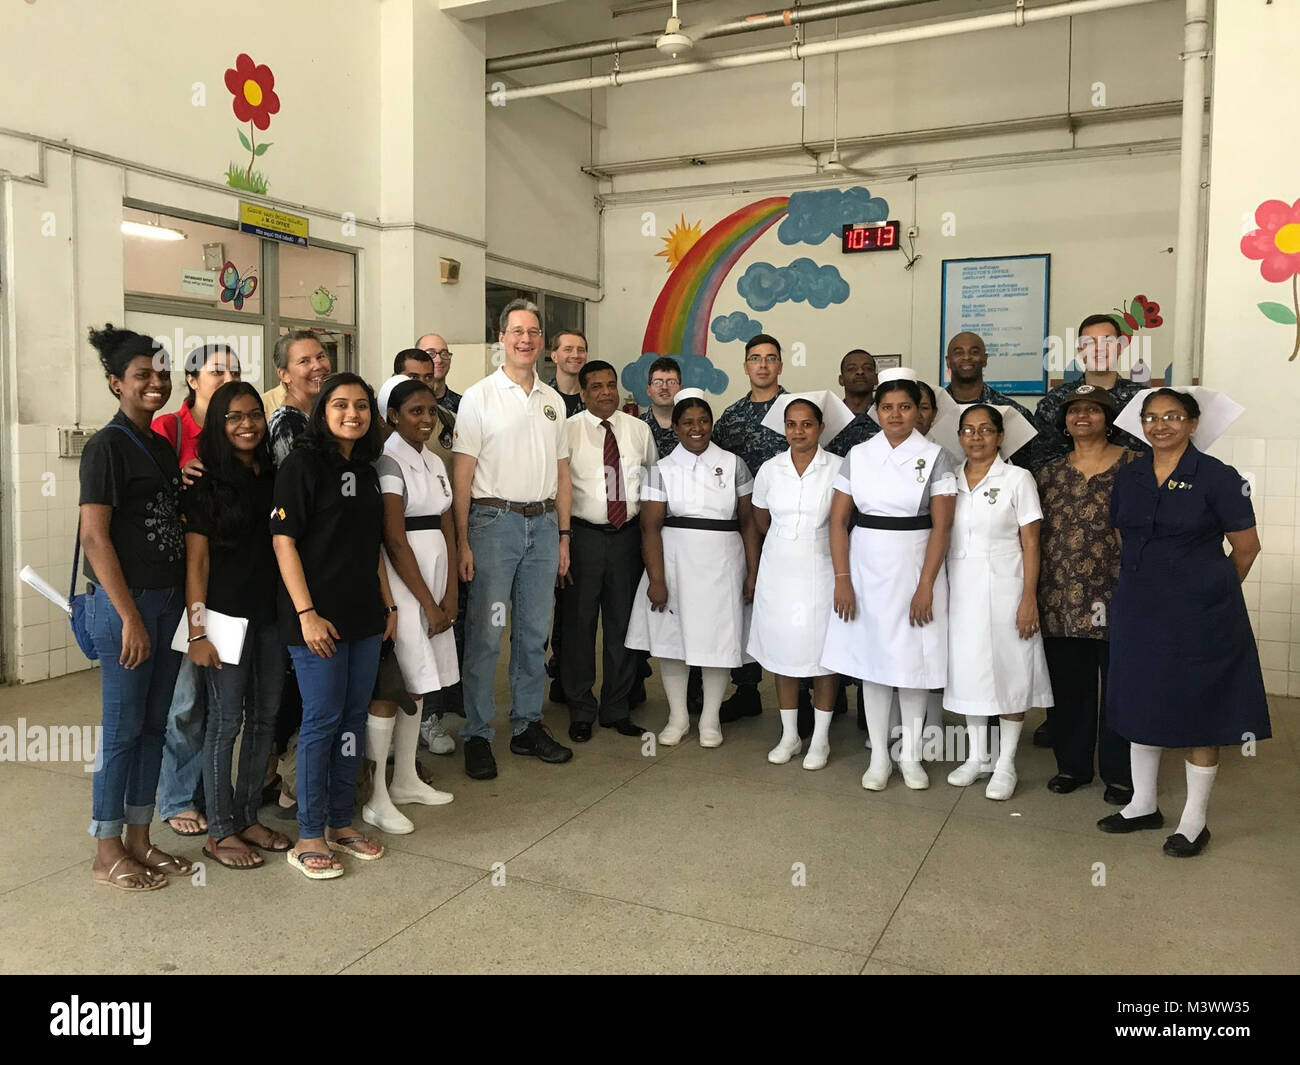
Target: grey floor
[[684, 862]]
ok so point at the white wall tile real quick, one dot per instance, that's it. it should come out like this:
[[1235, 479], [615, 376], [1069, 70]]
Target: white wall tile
[[33, 639], [1274, 625], [1250, 592], [1292, 684], [1274, 654], [1275, 681], [1275, 569], [58, 662], [29, 438], [1273, 537], [1294, 663], [1249, 451], [1275, 597], [33, 667], [1281, 452], [1295, 628], [60, 633], [1281, 480], [1279, 510]]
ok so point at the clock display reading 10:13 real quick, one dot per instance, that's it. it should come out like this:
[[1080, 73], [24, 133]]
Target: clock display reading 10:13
[[880, 237]]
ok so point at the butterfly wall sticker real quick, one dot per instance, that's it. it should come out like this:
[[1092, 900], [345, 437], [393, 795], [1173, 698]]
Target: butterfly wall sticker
[[1142, 313], [234, 289]]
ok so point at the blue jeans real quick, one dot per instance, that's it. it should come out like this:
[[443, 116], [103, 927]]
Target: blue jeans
[[515, 560], [135, 708], [182, 764], [335, 700], [246, 694]]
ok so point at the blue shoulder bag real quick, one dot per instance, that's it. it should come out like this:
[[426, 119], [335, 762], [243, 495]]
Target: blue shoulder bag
[[77, 603]]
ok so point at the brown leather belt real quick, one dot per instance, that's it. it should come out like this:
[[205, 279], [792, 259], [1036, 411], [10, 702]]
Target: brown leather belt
[[528, 510]]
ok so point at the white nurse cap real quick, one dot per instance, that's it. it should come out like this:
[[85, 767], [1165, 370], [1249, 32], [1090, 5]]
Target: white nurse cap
[[386, 390], [691, 393], [1218, 412], [897, 373], [835, 412]]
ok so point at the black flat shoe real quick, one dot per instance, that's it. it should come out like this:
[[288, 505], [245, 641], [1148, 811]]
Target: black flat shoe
[[744, 702], [1178, 845], [1120, 823], [626, 727], [1042, 736], [1114, 796], [536, 740], [479, 762], [580, 731], [1063, 785]]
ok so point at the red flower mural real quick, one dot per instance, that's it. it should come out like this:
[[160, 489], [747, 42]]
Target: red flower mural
[[1276, 244], [253, 87]]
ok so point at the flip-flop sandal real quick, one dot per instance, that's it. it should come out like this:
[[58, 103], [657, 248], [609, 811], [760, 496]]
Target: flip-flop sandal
[[287, 843], [217, 850], [196, 832], [328, 873], [345, 844], [122, 880], [169, 866]]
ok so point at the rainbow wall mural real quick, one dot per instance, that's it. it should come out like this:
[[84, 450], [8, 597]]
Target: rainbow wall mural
[[679, 321]]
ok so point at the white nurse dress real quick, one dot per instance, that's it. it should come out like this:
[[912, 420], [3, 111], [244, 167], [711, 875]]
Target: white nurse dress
[[892, 486], [420, 478], [706, 618], [794, 593], [991, 670]]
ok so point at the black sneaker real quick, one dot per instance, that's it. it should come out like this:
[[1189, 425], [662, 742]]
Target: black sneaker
[[537, 740], [479, 763], [744, 702]]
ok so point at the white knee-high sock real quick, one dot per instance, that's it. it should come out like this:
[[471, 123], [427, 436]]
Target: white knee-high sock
[[876, 700], [1145, 763], [673, 672], [406, 739], [977, 740], [714, 682], [379, 738], [1200, 779], [912, 705], [821, 737], [1010, 738]]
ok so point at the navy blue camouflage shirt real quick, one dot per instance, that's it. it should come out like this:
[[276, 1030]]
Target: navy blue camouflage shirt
[[740, 430], [665, 439], [1024, 457], [861, 429]]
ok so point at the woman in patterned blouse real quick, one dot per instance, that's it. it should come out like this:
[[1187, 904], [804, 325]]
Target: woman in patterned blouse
[[1080, 564]]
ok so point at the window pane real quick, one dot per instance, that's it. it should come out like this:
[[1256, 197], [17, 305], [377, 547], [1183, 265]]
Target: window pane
[[317, 284], [340, 346], [497, 298], [562, 313], [188, 267], [180, 336]]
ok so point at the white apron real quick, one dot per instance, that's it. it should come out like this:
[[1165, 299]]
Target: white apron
[[427, 665], [706, 620], [879, 644], [793, 597], [991, 670]]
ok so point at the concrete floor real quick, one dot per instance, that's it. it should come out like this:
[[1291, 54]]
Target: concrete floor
[[684, 863]]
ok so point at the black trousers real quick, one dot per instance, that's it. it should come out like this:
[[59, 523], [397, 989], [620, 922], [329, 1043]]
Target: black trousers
[[606, 569], [1078, 720]]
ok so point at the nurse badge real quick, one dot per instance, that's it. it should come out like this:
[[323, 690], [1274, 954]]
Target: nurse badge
[[920, 471], [717, 473], [992, 494]]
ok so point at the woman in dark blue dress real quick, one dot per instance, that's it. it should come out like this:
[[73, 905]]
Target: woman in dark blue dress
[[1184, 669]]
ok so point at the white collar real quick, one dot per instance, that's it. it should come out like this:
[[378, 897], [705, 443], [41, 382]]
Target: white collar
[[504, 382], [904, 454], [397, 448], [997, 470], [819, 459], [711, 454], [589, 417]]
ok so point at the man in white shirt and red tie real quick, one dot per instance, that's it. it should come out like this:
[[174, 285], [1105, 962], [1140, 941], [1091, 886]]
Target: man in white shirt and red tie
[[610, 454]]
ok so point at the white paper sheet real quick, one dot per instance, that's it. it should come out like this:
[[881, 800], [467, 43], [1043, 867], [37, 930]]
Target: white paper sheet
[[225, 632]]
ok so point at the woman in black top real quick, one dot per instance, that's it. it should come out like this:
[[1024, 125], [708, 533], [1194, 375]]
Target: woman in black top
[[230, 569], [335, 610], [135, 560]]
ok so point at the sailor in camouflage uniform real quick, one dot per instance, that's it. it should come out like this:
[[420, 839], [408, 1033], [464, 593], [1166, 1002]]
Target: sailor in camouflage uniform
[[966, 359], [740, 430], [663, 382]]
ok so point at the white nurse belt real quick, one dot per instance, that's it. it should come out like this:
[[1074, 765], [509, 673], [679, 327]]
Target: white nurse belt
[[1017, 429], [835, 412], [1218, 412]]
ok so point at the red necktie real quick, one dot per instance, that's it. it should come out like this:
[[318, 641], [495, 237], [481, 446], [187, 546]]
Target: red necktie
[[615, 501]]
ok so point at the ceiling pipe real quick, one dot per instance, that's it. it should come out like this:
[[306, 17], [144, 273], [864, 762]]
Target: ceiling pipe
[[1019, 16], [644, 42], [1196, 33]]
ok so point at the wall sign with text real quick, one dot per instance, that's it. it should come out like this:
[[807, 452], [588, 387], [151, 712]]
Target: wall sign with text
[[1004, 299]]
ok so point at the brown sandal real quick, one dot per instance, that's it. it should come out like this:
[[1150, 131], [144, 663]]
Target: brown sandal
[[217, 848], [134, 882]]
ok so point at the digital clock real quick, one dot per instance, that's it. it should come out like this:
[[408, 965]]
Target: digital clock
[[882, 236]]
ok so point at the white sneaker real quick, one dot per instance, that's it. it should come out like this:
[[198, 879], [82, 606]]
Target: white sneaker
[[876, 777], [435, 736], [784, 751], [968, 772], [817, 756]]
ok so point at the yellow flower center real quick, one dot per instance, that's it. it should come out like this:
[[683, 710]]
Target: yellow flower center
[[1288, 238], [253, 94]]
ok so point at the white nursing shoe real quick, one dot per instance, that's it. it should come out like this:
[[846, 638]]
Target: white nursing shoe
[[784, 751], [876, 777], [914, 775], [968, 772], [391, 821], [1003, 784]]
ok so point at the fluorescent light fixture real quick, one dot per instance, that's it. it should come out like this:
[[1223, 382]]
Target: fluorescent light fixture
[[150, 232]]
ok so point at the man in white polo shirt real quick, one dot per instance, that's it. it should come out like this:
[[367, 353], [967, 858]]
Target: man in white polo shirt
[[511, 493], [609, 455]]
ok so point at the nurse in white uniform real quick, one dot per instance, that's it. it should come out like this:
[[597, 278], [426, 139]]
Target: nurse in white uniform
[[700, 547], [996, 663], [419, 553], [890, 622], [796, 581]]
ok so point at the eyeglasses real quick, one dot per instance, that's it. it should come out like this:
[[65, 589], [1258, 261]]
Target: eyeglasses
[[238, 417], [443, 354], [978, 430], [1169, 416], [517, 333], [664, 382], [771, 359]]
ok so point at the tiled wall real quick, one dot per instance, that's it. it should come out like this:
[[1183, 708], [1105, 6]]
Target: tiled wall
[[46, 525], [43, 531]]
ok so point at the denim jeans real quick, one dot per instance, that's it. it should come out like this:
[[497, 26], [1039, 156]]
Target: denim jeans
[[247, 695], [335, 700], [182, 764], [515, 559], [135, 708]]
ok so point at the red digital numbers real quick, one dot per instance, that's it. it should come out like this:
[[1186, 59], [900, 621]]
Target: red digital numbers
[[870, 238]]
